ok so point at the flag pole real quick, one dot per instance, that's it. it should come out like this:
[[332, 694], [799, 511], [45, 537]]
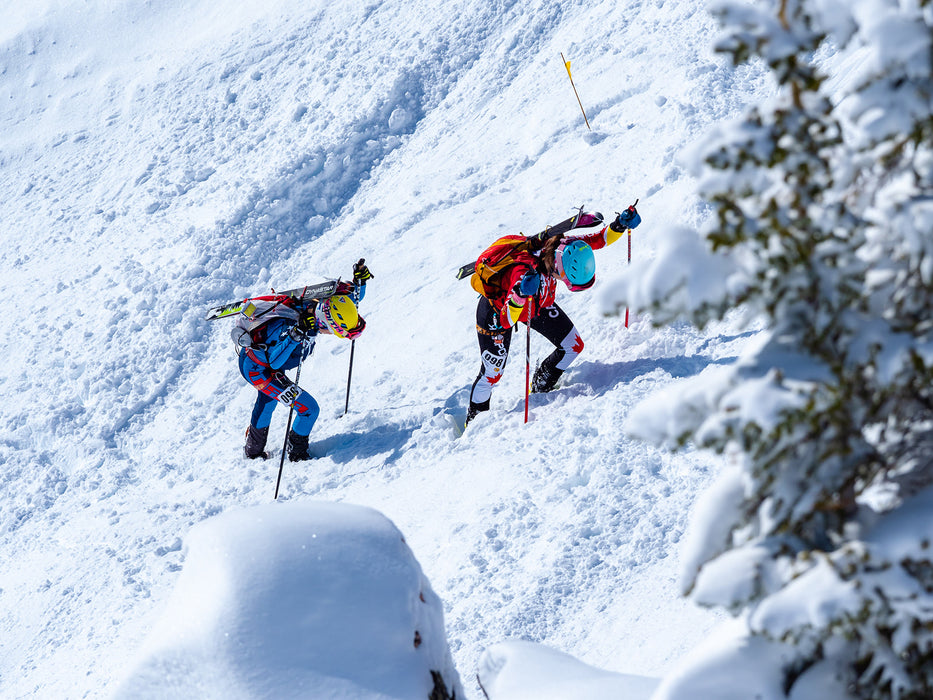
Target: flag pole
[[567, 66]]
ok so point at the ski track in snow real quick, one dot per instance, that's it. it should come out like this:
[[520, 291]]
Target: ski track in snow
[[157, 161]]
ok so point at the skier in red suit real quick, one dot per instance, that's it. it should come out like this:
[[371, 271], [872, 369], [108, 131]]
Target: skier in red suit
[[526, 290]]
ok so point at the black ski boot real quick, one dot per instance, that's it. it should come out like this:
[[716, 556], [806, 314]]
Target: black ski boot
[[474, 409], [297, 447], [256, 443], [547, 374]]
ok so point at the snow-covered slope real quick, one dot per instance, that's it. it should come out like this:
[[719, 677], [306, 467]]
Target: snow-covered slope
[[157, 159]]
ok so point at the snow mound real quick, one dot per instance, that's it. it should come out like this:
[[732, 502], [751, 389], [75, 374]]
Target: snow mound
[[297, 600], [518, 670]]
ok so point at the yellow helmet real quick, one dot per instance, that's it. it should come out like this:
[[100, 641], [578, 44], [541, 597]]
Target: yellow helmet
[[338, 315]]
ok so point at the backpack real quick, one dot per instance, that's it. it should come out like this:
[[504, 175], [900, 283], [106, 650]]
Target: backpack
[[491, 263], [247, 333]]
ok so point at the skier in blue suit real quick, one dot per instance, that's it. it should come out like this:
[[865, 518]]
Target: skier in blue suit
[[283, 342]]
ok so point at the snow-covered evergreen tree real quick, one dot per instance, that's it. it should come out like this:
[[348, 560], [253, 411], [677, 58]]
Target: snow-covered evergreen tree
[[820, 534]]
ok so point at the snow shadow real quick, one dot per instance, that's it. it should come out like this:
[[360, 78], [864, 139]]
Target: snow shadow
[[602, 377], [387, 441]]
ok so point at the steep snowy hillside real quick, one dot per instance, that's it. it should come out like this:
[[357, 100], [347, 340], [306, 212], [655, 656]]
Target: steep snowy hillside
[[157, 159]]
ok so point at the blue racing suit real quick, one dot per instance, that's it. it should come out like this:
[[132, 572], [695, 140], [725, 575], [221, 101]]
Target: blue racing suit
[[285, 348]]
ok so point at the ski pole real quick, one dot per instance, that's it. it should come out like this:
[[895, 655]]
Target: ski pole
[[629, 258], [356, 300], [629, 262], [288, 427], [349, 375], [528, 355]]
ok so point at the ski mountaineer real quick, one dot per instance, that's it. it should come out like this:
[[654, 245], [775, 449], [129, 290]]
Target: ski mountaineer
[[284, 342], [527, 290]]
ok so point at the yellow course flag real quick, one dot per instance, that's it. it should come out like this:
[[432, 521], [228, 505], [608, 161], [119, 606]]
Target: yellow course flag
[[567, 66]]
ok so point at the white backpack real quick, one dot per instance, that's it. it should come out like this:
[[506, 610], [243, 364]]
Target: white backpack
[[256, 314]]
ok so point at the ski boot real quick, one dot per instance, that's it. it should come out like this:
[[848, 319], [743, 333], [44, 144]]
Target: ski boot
[[256, 443], [474, 409], [545, 377], [297, 447]]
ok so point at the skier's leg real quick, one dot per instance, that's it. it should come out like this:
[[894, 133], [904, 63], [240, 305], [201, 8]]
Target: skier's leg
[[306, 412], [262, 411], [556, 326], [256, 442], [282, 389], [494, 352], [257, 432], [274, 385]]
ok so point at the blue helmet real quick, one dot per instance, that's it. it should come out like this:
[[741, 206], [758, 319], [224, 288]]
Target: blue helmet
[[575, 264]]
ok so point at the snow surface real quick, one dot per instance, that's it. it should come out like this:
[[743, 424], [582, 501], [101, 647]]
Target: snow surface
[[160, 158], [526, 671], [710, 671], [296, 600]]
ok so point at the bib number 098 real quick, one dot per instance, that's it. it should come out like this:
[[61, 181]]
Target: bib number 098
[[290, 395]]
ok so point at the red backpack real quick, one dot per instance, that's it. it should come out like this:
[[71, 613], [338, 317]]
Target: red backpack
[[492, 262]]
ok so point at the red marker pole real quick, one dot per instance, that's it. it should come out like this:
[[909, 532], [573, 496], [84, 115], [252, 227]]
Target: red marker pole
[[528, 354], [629, 262]]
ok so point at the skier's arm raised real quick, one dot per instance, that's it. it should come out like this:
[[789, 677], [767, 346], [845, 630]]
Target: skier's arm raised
[[608, 235]]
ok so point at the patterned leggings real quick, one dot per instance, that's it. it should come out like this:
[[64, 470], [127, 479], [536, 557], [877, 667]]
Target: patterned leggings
[[273, 386], [494, 341]]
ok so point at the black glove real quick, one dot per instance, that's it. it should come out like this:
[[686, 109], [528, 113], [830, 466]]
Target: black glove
[[361, 273], [306, 326]]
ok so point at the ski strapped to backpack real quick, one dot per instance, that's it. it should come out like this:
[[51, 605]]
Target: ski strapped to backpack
[[313, 291], [500, 259], [505, 251]]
